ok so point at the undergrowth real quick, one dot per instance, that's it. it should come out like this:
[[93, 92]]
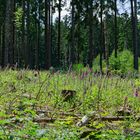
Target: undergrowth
[[29, 95]]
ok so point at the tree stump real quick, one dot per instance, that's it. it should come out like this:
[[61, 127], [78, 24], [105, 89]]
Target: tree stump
[[68, 94]]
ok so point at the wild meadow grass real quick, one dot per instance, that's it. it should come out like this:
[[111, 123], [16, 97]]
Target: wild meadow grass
[[24, 92]]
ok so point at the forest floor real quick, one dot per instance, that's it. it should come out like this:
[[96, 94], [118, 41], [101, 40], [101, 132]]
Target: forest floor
[[72, 106]]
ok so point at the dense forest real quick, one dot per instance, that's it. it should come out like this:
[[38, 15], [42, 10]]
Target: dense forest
[[35, 34]]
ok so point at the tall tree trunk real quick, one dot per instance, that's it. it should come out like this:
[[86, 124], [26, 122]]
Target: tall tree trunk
[[37, 42], [136, 37], [39, 32], [53, 50], [13, 50], [78, 38], [134, 32], [28, 44], [47, 34], [23, 34], [59, 31], [106, 44], [51, 23], [116, 28], [0, 43], [3, 44], [9, 31], [72, 48], [101, 42], [90, 18]]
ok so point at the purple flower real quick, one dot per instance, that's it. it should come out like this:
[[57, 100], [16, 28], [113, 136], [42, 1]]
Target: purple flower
[[136, 94], [85, 73]]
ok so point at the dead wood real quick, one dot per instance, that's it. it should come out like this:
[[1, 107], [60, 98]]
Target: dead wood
[[58, 113], [47, 120], [107, 118], [68, 94]]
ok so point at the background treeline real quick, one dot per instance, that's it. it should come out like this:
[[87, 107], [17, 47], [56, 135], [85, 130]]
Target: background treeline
[[93, 32]]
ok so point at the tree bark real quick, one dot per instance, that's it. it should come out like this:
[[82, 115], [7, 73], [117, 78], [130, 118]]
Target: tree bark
[[28, 45], [90, 51], [101, 34], [47, 34], [3, 44], [106, 41], [116, 28], [59, 31], [136, 37], [23, 33], [37, 26], [9, 32], [78, 39], [134, 32], [0, 44], [72, 54]]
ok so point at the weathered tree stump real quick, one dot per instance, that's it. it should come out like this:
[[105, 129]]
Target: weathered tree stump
[[124, 111], [68, 94]]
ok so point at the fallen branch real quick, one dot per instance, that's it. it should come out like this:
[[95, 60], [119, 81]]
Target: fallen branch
[[59, 113], [47, 120], [107, 118], [85, 120], [118, 118]]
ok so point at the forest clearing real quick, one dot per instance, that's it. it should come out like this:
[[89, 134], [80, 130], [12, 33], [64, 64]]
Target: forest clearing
[[69, 70], [33, 106]]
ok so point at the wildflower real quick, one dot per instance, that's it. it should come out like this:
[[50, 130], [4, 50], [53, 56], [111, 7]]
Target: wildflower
[[90, 70], [136, 93], [85, 74]]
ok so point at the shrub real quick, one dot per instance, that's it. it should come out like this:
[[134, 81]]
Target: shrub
[[96, 64], [78, 67], [123, 63]]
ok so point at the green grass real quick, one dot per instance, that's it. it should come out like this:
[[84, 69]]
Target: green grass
[[24, 92]]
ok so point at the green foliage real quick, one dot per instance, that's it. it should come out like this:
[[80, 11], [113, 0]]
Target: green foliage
[[78, 67], [23, 93], [18, 18], [62, 132], [96, 64], [123, 63], [35, 34]]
